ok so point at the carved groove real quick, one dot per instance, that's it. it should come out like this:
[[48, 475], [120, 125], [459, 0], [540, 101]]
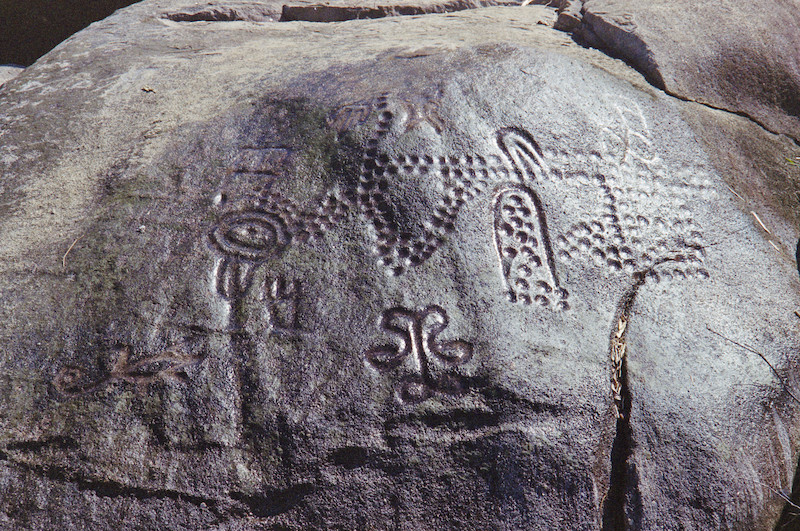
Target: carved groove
[[417, 334], [618, 235], [169, 365]]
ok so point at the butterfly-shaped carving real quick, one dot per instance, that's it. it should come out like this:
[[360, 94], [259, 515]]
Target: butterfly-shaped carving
[[418, 337]]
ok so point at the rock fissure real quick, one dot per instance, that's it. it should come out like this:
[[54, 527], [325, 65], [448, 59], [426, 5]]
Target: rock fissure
[[274, 502], [592, 31], [329, 13], [112, 489], [614, 517], [621, 482], [61, 442], [741, 114]]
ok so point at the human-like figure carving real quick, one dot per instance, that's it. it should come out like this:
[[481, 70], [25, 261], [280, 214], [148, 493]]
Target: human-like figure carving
[[417, 333], [245, 239], [627, 137], [249, 238]]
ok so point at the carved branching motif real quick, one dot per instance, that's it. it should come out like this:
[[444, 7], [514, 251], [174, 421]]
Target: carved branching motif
[[168, 365], [419, 346]]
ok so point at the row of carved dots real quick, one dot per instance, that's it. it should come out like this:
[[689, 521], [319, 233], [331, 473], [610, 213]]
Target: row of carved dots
[[396, 251], [372, 186], [604, 244], [544, 301], [284, 208], [369, 194], [375, 208], [411, 161], [608, 208], [384, 121], [617, 258], [332, 210], [304, 225], [399, 251], [459, 190], [676, 273]]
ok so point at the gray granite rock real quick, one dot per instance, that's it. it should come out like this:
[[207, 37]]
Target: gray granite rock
[[394, 274], [739, 56], [9, 72]]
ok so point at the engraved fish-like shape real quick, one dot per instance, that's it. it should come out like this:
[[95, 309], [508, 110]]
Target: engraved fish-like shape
[[168, 365]]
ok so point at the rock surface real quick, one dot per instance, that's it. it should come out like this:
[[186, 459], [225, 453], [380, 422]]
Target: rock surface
[[9, 72], [738, 56], [392, 273]]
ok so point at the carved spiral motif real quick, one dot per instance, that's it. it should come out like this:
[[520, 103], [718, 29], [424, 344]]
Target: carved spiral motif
[[252, 235]]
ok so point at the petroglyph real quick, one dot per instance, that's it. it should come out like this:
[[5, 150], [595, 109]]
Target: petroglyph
[[635, 214], [281, 298], [349, 116], [419, 347], [251, 237], [523, 246], [644, 218], [168, 365]]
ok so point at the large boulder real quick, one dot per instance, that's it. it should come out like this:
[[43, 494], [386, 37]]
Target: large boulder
[[392, 273]]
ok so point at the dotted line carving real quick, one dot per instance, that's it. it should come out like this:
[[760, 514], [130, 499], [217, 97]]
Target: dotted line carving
[[640, 219]]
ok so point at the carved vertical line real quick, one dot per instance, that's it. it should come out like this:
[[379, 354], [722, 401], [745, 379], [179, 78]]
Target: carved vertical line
[[545, 236]]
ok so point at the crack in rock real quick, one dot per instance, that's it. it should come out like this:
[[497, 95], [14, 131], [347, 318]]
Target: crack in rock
[[622, 505], [270, 502], [334, 13], [593, 31]]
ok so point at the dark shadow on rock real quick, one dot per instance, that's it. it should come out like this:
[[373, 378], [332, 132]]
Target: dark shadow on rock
[[32, 28], [797, 257], [596, 32]]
